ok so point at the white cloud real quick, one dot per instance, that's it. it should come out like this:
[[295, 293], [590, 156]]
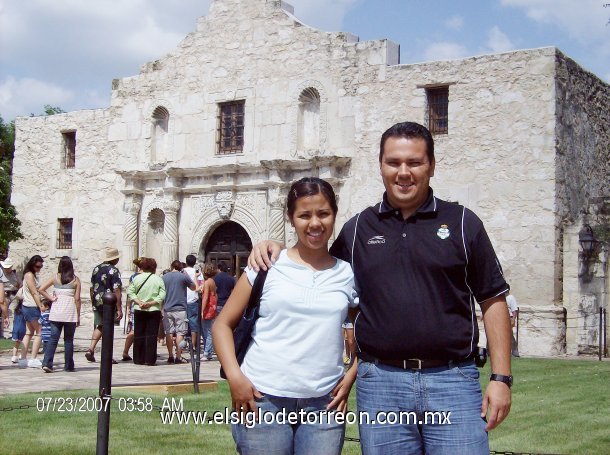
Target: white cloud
[[455, 23], [497, 41], [84, 45], [23, 97], [322, 14], [584, 20], [445, 51]]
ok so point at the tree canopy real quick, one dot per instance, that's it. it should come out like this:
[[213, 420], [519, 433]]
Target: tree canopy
[[9, 223]]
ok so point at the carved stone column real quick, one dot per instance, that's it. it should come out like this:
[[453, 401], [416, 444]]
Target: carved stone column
[[130, 233], [170, 233], [276, 214]]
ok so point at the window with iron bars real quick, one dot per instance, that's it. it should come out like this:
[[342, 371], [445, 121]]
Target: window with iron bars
[[69, 149], [231, 127], [438, 110], [64, 233]]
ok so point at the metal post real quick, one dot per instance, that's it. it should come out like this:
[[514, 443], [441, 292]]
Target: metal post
[[125, 319], [600, 335], [195, 351], [103, 416], [199, 303], [193, 362], [605, 333], [517, 328]]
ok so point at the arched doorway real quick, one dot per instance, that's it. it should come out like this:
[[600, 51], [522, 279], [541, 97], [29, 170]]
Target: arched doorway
[[229, 243]]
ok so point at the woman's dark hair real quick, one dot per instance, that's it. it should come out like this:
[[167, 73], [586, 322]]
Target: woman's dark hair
[[66, 269], [209, 270], [148, 265], [176, 265], [409, 130], [29, 267], [310, 186]]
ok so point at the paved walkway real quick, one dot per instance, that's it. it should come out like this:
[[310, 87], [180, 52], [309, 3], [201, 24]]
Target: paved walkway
[[19, 380]]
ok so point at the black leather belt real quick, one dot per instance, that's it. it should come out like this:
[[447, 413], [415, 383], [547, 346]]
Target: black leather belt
[[409, 364]]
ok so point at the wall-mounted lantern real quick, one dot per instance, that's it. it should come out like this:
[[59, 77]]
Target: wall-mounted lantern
[[588, 245]]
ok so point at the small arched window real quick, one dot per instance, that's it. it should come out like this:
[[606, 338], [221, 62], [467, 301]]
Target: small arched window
[[160, 124], [308, 131]]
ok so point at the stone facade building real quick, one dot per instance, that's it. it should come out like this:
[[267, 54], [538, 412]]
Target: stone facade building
[[195, 154]]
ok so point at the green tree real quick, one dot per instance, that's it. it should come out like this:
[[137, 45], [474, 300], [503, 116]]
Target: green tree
[[9, 223], [52, 110], [7, 140]]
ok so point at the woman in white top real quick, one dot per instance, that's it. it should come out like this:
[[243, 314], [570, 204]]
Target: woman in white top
[[294, 364], [31, 308], [65, 313]]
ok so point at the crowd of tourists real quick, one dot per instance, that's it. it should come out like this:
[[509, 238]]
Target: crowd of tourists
[[169, 308]]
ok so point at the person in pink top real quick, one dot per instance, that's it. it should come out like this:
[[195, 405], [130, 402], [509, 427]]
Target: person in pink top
[[65, 312]]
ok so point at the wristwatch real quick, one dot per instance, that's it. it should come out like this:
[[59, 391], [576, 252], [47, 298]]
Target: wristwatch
[[508, 380]]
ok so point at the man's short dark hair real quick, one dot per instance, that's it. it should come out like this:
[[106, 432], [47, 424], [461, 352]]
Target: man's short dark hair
[[191, 260], [409, 130], [222, 266]]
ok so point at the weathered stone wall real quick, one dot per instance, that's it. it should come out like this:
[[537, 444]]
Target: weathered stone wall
[[44, 191], [583, 138], [583, 183]]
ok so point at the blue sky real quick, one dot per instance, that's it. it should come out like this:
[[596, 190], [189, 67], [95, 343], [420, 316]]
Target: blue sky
[[66, 52]]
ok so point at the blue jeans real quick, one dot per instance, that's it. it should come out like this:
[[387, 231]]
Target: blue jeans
[[273, 438], [50, 347], [206, 327], [192, 311], [430, 394]]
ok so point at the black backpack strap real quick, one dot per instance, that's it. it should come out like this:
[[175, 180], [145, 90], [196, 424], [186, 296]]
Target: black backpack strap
[[257, 292]]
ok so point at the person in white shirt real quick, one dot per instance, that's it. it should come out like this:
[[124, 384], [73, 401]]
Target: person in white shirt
[[192, 298], [295, 361]]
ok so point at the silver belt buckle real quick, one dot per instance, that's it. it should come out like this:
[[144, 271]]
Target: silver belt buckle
[[413, 360]]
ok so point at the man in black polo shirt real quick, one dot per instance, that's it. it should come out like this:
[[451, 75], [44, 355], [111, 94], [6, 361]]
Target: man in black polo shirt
[[421, 264]]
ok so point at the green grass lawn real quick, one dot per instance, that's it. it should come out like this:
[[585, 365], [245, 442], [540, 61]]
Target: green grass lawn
[[559, 407], [6, 345]]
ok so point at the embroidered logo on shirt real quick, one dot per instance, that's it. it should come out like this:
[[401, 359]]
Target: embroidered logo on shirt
[[376, 240], [443, 232]]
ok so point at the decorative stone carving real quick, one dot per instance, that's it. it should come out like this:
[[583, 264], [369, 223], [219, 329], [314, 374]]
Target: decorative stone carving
[[276, 214], [249, 210], [170, 237], [170, 206], [130, 232], [224, 202], [130, 229]]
